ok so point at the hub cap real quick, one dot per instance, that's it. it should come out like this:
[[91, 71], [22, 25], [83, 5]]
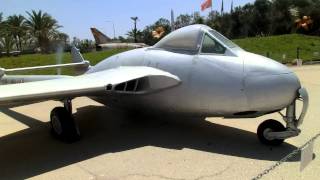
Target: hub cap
[[265, 133]]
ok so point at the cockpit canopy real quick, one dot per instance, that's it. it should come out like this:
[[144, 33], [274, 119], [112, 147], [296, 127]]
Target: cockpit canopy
[[194, 39]]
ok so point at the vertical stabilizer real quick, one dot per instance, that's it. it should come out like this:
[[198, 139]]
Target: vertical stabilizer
[[99, 37]]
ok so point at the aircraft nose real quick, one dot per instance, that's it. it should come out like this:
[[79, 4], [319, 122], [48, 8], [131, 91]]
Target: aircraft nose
[[274, 91], [259, 65], [290, 80], [269, 84]]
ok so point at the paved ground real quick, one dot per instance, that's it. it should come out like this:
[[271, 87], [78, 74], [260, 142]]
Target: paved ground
[[115, 147]]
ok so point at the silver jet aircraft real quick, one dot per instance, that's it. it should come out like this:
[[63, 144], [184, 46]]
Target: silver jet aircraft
[[193, 71]]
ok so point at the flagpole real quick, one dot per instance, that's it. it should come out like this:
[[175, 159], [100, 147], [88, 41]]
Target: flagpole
[[211, 12]]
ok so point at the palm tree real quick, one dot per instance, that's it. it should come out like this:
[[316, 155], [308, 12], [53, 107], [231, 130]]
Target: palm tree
[[7, 43], [18, 29], [28, 41], [63, 37], [135, 34], [42, 26], [6, 39], [0, 32]]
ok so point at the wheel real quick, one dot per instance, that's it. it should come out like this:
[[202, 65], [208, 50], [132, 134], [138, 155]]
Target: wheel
[[63, 126], [270, 126]]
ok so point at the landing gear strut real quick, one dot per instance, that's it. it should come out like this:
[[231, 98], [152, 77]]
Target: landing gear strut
[[272, 132], [63, 126]]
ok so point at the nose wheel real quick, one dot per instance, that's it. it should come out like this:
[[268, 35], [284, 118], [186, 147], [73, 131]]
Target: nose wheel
[[63, 126], [267, 127], [272, 132]]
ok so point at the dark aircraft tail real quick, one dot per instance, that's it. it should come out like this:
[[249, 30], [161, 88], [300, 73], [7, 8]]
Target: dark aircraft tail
[[99, 37]]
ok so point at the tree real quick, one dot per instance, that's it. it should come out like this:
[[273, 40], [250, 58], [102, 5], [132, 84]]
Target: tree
[[147, 32], [261, 17], [282, 20], [6, 39], [42, 26], [237, 23], [1, 18], [122, 39], [226, 25], [198, 19], [61, 38], [0, 32], [183, 20], [86, 45], [28, 42], [210, 19], [1, 25], [7, 43], [246, 20], [18, 29], [315, 16], [308, 9], [135, 35], [76, 42]]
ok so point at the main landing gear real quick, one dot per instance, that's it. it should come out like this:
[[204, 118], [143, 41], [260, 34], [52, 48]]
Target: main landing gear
[[272, 132], [63, 126]]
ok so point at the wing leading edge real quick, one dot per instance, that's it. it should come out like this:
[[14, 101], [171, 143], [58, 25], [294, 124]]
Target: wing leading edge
[[95, 84]]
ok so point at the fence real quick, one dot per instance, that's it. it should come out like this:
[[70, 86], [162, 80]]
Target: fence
[[286, 168], [290, 57]]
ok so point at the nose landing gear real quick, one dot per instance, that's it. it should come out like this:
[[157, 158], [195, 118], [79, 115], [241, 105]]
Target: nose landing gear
[[268, 127], [272, 132], [63, 126]]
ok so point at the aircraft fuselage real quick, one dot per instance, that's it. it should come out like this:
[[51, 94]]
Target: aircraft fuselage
[[212, 85]]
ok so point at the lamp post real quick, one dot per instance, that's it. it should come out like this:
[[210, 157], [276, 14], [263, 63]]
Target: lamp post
[[114, 29], [135, 28]]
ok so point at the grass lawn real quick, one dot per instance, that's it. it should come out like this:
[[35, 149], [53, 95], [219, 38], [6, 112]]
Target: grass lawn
[[284, 44], [48, 59], [275, 45]]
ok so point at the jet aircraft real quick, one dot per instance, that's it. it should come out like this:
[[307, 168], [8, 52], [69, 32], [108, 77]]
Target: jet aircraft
[[194, 71], [104, 42]]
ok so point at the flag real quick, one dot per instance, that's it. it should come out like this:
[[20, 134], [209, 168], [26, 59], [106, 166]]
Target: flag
[[207, 4]]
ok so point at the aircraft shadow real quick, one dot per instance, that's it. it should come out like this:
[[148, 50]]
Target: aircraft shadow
[[33, 151]]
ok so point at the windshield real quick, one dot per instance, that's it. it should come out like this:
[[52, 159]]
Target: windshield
[[223, 39], [210, 45]]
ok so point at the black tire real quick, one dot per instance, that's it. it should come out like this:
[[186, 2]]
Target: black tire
[[272, 125], [63, 126]]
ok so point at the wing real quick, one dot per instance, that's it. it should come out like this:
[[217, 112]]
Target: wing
[[134, 80]]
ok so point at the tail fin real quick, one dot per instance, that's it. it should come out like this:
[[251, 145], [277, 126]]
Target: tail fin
[[99, 36], [78, 58]]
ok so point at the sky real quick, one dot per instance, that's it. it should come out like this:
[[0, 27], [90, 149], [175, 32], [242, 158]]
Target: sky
[[78, 16]]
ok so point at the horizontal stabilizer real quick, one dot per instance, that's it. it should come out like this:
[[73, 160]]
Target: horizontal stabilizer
[[85, 63], [78, 63]]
